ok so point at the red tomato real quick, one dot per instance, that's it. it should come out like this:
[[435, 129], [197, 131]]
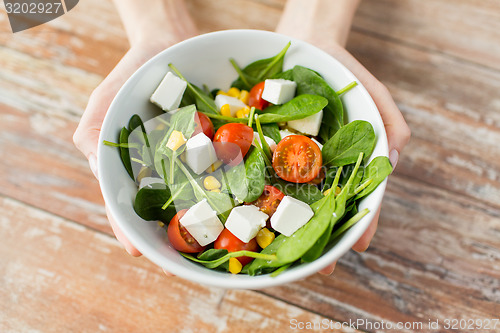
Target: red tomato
[[231, 243], [255, 98], [268, 201], [232, 141], [180, 238], [203, 123], [297, 159]]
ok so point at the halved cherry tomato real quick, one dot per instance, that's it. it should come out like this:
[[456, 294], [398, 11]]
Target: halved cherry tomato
[[297, 159], [232, 141], [255, 98], [231, 243], [268, 201], [180, 238], [203, 124]]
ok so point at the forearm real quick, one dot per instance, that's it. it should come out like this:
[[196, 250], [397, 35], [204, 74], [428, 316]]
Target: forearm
[[167, 20], [322, 20]]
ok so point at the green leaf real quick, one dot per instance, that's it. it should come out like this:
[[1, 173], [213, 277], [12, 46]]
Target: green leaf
[[378, 169], [344, 147], [213, 263], [261, 266], [307, 193], [299, 107], [310, 82], [150, 199], [286, 75], [125, 153], [272, 130], [260, 70], [246, 180]]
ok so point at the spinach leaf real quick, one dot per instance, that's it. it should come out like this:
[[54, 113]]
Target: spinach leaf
[[260, 70], [272, 130], [286, 75], [378, 169], [310, 82], [299, 107], [261, 266], [214, 254], [125, 153], [246, 180], [307, 193], [344, 147], [213, 263], [315, 251], [150, 199]]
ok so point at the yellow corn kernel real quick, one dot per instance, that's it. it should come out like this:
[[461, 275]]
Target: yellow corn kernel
[[327, 191], [211, 183], [176, 140], [265, 237], [143, 173], [214, 166], [243, 113], [225, 110], [338, 190], [161, 224], [220, 92], [234, 266], [183, 157], [233, 92], [244, 95], [217, 190]]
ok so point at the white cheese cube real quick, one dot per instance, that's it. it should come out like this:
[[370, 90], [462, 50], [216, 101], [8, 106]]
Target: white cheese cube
[[270, 142], [200, 153], [244, 222], [284, 133], [147, 181], [169, 93], [234, 103], [278, 91], [316, 142], [202, 223], [308, 125], [290, 215]]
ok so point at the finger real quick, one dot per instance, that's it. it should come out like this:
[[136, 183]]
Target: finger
[[328, 270], [121, 237], [363, 243], [167, 273]]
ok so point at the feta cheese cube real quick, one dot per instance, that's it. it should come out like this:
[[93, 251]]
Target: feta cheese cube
[[200, 153], [308, 125], [202, 223], [278, 91], [147, 181], [290, 215], [284, 133], [245, 222], [169, 93], [270, 142], [234, 103]]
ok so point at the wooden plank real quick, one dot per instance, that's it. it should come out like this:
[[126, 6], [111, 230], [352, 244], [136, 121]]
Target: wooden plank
[[465, 29], [59, 276], [435, 256]]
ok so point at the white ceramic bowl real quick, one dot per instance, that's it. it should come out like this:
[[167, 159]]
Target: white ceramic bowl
[[205, 60]]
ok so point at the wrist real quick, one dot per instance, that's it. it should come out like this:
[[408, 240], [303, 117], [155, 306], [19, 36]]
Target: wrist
[[318, 21]]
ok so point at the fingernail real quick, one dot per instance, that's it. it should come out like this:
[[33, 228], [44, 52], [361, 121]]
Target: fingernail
[[93, 165], [393, 157]]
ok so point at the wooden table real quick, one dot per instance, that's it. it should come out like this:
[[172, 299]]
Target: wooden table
[[435, 257]]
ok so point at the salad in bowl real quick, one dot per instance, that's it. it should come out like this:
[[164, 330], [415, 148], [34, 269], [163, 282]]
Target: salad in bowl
[[257, 177]]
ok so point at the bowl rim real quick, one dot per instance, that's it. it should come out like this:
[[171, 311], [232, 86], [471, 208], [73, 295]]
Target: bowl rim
[[238, 281]]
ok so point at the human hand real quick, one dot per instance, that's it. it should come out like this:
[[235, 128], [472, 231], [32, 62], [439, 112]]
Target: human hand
[[332, 39]]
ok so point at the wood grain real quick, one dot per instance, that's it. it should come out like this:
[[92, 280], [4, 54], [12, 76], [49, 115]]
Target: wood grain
[[436, 254], [58, 276]]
